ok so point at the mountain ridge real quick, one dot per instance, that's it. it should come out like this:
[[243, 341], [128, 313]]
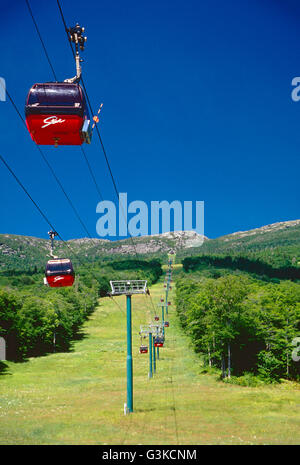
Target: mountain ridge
[[16, 250]]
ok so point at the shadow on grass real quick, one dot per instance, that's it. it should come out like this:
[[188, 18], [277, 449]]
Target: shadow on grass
[[4, 369], [69, 347], [79, 335], [149, 409], [156, 408]]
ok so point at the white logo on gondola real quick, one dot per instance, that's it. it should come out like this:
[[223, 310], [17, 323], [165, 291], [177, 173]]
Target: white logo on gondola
[[57, 278], [52, 120]]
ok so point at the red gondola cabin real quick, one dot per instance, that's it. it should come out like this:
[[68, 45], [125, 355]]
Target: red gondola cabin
[[159, 341], [56, 114], [60, 273], [143, 350]]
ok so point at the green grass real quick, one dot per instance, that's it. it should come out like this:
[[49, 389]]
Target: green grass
[[78, 397]]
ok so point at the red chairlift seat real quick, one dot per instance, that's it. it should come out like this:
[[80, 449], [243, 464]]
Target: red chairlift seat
[[159, 341], [59, 272], [143, 350], [156, 318], [56, 114]]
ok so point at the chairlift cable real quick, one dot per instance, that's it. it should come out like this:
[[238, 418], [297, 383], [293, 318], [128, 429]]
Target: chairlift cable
[[54, 74], [36, 205], [41, 39], [97, 129], [38, 147]]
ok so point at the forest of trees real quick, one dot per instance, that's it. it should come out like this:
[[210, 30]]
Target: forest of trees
[[36, 319], [241, 325], [251, 264]]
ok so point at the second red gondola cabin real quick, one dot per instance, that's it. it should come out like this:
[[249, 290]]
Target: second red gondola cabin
[[60, 272], [159, 341], [143, 349]]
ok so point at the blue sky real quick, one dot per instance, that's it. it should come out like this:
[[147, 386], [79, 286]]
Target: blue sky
[[197, 106]]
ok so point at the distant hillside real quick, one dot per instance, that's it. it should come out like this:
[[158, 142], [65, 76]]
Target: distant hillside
[[281, 241], [24, 252], [281, 238]]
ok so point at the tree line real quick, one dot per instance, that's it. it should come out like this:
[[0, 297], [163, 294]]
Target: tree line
[[241, 325], [36, 319], [238, 262]]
